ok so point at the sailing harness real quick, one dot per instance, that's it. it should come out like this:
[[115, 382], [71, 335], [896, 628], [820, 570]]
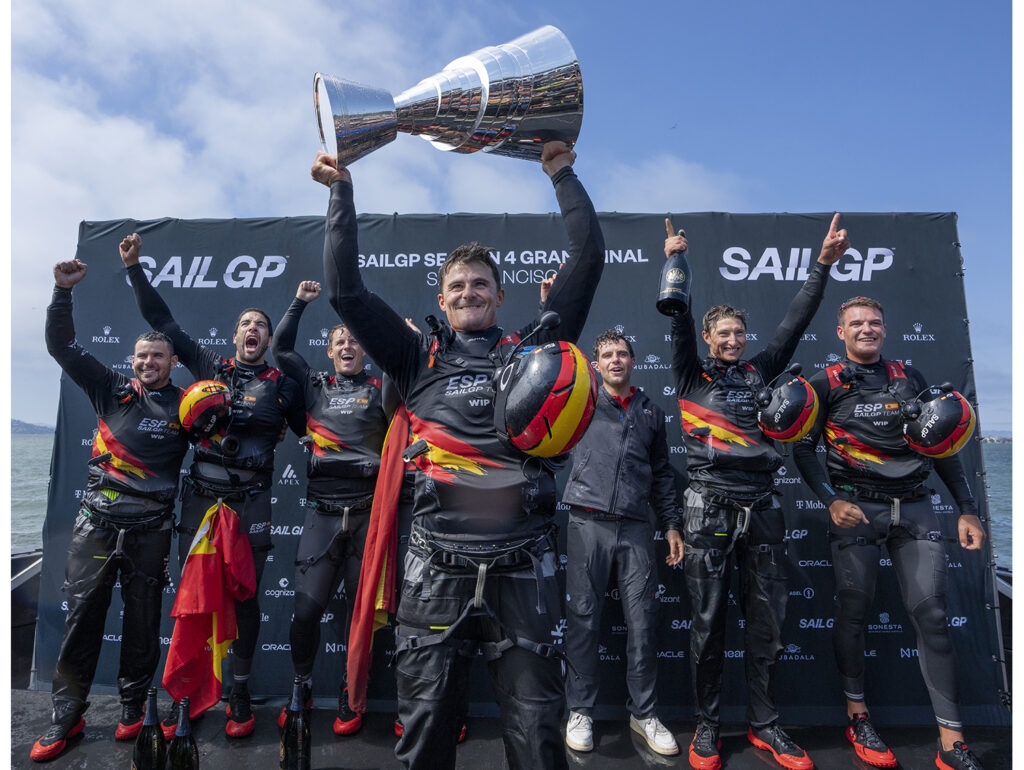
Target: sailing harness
[[464, 558], [715, 558]]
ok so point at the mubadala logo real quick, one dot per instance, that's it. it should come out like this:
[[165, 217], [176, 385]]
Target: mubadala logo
[[603, 654], [107, 339], [794, 652], [213, 339], [652, 361], [831, 358], [918, 336], [242, 272], [885, 625], [288, 476]]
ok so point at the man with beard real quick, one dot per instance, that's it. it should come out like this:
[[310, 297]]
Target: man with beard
[[238, 468], [480, 573], [124, 524]]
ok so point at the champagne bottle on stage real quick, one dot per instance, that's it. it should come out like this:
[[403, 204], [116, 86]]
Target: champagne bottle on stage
[[296, 749], [183, 753], [674, 293], [150, 746]]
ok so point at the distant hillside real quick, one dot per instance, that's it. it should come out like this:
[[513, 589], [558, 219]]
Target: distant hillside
[[19, 428]]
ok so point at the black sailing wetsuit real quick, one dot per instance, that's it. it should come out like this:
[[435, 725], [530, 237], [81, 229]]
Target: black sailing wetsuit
[[262, 399], [871, 465], [345, 428], [124, 523], [476, 500], [730, 506]]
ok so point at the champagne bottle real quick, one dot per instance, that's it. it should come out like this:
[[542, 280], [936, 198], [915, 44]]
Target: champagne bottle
[[150, 746], [183, 753], [674, 296], [296, 748]]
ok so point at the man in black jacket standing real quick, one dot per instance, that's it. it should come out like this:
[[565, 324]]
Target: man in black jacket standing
[[125, 522], [619, 465]]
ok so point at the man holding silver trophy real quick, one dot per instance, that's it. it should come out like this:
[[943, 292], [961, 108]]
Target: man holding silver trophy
[[480, 573]]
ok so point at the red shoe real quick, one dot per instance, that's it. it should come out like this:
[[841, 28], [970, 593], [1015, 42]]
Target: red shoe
[[704, 748], [867, 743], [957, 758], [399, 728], [55, 740], [241, 721], [130, 723], [774, 739], [348, 721]]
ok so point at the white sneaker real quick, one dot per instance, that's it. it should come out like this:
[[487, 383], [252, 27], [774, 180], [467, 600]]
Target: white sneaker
[[579, 733], [656, 734]]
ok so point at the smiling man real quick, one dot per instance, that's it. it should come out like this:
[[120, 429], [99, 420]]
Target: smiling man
[[238, 469], [731, 512], [480, 572], [345, 428], [875, 492], [618, 467], [123, 529]]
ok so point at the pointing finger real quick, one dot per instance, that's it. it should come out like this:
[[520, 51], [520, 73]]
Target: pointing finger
[[835, 223], [669, 230]]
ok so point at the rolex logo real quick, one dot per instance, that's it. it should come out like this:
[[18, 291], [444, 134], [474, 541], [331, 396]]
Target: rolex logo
[[213, 331], [323, 333], [106, 331], [917, 327], [620, 328]]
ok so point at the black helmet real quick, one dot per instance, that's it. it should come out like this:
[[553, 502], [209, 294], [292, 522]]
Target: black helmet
[[788, 412], [545, 399], [204, 409], [943, 426]]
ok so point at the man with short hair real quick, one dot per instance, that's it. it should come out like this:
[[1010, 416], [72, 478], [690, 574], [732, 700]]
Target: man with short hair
[[875, 492], [480, 573], [618, 467], [237, 468], [345, 428], [124, 525], [731, 511]]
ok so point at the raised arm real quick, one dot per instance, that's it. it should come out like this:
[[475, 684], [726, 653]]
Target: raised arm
[[155, 312], [573, 293], [86, 371], [380, 330], [779, 352], [283, 346], [686, 365]]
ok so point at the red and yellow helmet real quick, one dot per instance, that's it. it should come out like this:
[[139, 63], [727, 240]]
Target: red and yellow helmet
[[546, 399], [790, 413], [943, 427], [205, 408]]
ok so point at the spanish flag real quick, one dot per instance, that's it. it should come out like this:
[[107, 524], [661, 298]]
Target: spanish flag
[[218, 570], [375, 597]]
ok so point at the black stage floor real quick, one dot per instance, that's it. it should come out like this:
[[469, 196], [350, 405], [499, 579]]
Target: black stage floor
[[617, 746]]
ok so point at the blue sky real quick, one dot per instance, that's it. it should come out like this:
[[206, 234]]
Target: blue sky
[[203, 109]]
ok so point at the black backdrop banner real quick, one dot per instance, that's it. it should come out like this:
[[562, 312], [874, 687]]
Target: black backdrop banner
[[208, 270]]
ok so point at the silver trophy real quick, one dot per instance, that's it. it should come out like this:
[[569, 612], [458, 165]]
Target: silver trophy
[[508, 99]]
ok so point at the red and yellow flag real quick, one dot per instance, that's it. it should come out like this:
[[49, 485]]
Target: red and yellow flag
[[218, 570], [375, 597]]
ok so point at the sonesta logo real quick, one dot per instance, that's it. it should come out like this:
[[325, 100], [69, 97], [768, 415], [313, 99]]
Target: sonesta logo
[[740, 265], [242, 272]]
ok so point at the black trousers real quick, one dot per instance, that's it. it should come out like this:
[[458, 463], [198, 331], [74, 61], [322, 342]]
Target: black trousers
[[760, 555], [92, 570], [328, 554], [253, 510], [593, 548], [433, 679], [920, 565]]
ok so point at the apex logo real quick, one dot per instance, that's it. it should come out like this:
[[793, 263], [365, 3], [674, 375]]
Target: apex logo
[[288, 476]]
